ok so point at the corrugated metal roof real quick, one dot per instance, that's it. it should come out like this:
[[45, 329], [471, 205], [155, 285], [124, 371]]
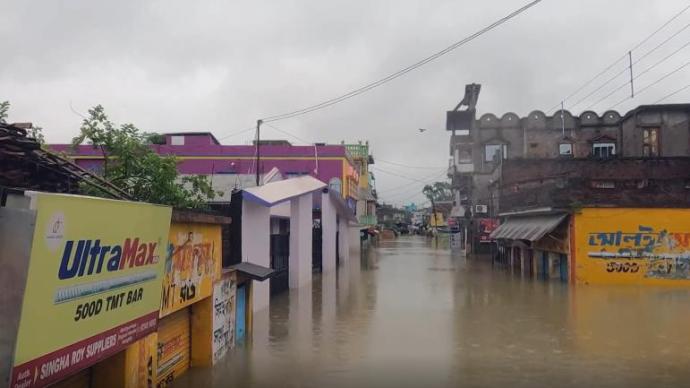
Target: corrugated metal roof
[[253, 271], [527, 228]]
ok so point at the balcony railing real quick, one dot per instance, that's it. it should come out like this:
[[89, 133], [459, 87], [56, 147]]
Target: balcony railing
[[368, 219]]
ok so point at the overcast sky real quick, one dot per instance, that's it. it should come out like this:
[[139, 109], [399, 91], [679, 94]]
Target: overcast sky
[[219, 65]]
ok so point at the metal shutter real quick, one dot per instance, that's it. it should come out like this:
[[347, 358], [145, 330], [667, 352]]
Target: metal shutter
[[173, 346]]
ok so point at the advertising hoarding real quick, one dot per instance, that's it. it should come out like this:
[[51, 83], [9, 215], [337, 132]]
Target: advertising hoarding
[[633, 246], [93, 283]]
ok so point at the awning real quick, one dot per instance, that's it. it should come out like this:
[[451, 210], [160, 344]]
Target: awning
[[253, 271], [274, 193], [530, 228]]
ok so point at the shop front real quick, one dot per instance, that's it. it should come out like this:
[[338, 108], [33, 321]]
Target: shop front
[[90, 294], [191, 295]]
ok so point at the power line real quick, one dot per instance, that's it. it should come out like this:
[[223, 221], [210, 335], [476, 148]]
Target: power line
[[407, 165], [655, 82], [403, 71], [237, 133], [685, 27], [624, 70], [289, 134], [672, 94], [380, 160], [412, 186], [614, 63], [659, 62], [398, 175]]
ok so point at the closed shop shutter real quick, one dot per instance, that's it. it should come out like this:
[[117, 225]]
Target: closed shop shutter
[[80, 380], [173, 346]]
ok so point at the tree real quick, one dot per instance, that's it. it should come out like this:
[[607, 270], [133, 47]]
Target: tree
[[436, 192], [4, 109], [130, 164]]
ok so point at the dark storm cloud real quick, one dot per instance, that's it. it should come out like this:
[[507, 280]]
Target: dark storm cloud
[[218, 66]]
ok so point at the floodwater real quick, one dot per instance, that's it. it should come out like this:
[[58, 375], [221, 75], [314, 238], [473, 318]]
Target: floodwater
[[411, 314]]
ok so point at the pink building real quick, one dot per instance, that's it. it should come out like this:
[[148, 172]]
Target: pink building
[[200, 153]]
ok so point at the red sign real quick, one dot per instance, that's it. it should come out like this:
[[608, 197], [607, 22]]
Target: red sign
[[486, 226], [61, 363]]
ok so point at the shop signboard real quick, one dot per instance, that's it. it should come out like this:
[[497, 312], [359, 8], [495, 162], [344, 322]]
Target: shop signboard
[[93, 283], [486, 227], [632, 246], [192, 264]]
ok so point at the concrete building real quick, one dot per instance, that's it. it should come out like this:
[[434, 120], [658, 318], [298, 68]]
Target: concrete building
[[366, 204], [200, 153], [594, 198], [482, 149]]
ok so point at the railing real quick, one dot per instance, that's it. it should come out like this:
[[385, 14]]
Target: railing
[[369, 219], [358, 151]]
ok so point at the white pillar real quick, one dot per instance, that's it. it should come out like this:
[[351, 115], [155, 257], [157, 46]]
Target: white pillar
[[256, 242], [300, 241], [328, 230], [344, 243], [355, 240], [300, 324]]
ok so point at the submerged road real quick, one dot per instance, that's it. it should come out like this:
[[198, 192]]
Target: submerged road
[[411, 314]]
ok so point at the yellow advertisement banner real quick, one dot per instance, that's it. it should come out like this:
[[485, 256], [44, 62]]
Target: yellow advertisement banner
[[633, 246], [93, 284], [192, 264]]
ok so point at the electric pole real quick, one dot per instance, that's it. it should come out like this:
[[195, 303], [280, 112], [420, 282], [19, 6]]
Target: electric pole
[[258, 149]]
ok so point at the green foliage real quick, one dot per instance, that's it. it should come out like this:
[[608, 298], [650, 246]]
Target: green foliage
[[4, 109], [438, 191], [130, 164], [37, 133]]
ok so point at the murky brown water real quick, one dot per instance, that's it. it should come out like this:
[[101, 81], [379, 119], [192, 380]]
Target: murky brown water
[[411, 315]]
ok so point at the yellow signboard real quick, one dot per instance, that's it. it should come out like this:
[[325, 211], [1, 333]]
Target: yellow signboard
[[633, 246], [192, 264], [93, 284]]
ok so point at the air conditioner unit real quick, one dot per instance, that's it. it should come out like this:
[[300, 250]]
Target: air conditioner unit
[[481, 209]]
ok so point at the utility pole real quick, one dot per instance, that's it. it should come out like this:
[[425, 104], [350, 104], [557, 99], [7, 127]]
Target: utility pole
[[258, 149], [562, 119], [632, 86]]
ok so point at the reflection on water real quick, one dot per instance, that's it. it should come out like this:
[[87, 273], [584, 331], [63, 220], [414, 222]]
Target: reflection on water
[[410, 313]]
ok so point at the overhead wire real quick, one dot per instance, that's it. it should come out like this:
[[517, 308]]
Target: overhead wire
[[672, 94], [615, 62], [236, 133], [402, 71], [625, 70], [407, 165], [411, 186], [638, 75], [654, 83], [289, 134]]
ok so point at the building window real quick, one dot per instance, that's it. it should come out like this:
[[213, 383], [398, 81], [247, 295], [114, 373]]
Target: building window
[[177, 140], [565, 149], [492, 151], [603, 184], [650, 142], [603, 150]]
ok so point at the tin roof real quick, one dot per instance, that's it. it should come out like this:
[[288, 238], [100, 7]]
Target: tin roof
[[530, 228]]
